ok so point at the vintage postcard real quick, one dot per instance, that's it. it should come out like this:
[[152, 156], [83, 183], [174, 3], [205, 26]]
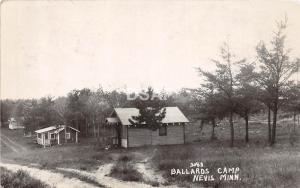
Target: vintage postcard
[[149, 93]]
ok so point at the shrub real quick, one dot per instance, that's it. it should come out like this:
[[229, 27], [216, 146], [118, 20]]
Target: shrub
[[19, 179], [125, 170]]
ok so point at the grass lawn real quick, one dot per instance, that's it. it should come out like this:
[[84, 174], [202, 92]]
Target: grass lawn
[[259, 165], [84, 155]]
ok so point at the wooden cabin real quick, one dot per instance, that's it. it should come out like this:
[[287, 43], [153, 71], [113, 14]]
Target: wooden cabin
[[171, 130], [56, 135]]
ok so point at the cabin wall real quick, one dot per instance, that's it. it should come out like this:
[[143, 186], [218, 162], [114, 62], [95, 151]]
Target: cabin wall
[[72, 135], [39, 140], [124, 131], [143, 136], [62, 137], [46, 141]]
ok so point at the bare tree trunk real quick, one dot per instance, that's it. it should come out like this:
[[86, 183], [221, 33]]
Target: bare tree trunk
[[86, 127], [94, 128], [294, 121], [98, 133], [104, 136], [213, 136], [231, 129], [247, 128], [269, 125], [274, 124], [77, 124]]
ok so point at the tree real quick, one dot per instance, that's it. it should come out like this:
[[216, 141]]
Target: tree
[[291, 101], [31, 118], [223, 79], [246, 94], [151, 111], [39, 114], [276, 70], [264, 97], [74, 107], [7, 108], [208, 105], [99, 108]]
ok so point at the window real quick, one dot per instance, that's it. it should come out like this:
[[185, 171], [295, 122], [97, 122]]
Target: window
[[52, 135], [46, 136], [39, 135], [163, 130], [68, 135]]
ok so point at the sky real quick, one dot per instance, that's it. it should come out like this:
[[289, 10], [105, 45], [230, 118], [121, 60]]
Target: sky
[[49, 48]]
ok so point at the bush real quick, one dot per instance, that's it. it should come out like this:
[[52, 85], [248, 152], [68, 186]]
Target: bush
[[124, 170], [19, 179]]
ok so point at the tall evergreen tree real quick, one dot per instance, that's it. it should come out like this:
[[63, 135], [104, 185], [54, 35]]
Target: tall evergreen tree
[[276, 70], [223, 79]]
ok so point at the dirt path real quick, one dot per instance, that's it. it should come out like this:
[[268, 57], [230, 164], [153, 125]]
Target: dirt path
[[146, 168], [56, 180], [101, 176], [14, 146], [149, 174]]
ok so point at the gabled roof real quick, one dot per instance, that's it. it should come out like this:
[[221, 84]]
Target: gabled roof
[[73, 128], [112, 120], [59, 129], [56, 128], [46, 129], [173, 115]]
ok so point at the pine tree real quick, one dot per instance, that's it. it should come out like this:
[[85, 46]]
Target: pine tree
[[151, 111]]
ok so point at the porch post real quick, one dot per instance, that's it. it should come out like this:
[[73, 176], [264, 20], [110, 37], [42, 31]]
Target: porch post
[[183, 133], [58, 138], [44, 139], [65, 135], [76, 136]]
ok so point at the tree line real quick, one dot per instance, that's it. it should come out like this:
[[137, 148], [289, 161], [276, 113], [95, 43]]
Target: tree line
[[83, 109], [240, 87]]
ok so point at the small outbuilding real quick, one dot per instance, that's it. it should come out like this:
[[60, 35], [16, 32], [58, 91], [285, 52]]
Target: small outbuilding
[[13, 124], [56, 135], [171, 130]]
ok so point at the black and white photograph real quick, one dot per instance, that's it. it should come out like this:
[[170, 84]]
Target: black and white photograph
[[150, 93]]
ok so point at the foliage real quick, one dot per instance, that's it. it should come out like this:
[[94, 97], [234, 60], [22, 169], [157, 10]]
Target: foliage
[[151, 111], [19, 179], [125, 170], [40, 114], [276, 68], [223, 79]]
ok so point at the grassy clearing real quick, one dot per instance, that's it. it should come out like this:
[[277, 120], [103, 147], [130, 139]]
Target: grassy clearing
[[18, 136], [67, 156], [19, 179], [83, 156], [124, 170], [259, 166]]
